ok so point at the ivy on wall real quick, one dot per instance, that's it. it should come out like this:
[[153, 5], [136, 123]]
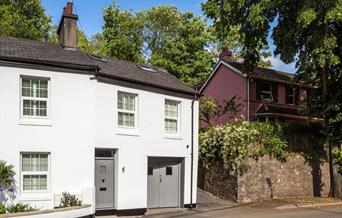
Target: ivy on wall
[[234, 143]]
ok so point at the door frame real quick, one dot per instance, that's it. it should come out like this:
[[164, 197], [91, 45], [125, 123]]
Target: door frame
[[181, 178], [114, 159]]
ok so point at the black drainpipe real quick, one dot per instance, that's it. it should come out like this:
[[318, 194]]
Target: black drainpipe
[[192, 151]]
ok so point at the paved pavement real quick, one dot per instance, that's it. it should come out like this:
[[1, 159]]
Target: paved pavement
[[211, 206], [247, 212]]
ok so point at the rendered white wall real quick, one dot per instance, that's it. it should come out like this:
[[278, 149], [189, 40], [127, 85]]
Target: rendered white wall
[[84, 117], [68, 135]]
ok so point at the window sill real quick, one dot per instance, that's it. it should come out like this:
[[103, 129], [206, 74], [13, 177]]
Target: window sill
[[173, 136], [34, 122], [127, 132]]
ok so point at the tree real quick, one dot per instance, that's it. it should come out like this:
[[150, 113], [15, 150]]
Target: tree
[[6, 175], [123, 34], [99, 44], [307, 32], [211, 109], [24, 19], [94, 45], [178, 42], [7, 181]]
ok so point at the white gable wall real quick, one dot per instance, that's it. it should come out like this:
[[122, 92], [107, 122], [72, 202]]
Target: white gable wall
[[84, 117]]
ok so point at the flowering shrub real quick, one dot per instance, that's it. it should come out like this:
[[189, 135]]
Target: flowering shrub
[[234, 143]]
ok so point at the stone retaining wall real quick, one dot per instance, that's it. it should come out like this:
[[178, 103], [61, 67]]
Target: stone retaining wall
[[269, 178]]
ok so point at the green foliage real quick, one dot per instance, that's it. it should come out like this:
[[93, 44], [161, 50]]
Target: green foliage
[[24, 19], [338, 159], [178, 42], [234, 143], [211, 109], [69, 200], [2, 208], [162, 36], [302, 29], [94, 45], [123, 34], [6, 175], [20, 207]]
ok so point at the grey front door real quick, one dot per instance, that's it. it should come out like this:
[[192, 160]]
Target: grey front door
[[104, 183], [164, 182]]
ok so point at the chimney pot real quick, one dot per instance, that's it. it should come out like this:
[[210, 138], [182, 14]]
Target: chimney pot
[[69, 8], [225, 55]]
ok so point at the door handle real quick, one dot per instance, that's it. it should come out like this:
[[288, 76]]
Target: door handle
[[103, 189]]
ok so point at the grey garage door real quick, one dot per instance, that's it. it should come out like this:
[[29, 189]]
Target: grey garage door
[[164, 182]]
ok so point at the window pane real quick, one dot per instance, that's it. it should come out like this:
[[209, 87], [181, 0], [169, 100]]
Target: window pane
[[126, 101], [126, 119], [27, 182], [42, 93], [266, 96], [171, 125], [34, 162], [27, 92], [43, 162], [42, 182], [43, 84], [266, 87], [26, 83], [168, 171], [171, 109], [26, 162], [34, 182]]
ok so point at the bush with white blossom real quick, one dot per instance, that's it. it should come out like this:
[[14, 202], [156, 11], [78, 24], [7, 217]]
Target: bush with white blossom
[[234, 143]]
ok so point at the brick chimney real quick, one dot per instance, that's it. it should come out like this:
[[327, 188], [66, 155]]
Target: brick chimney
[[225, 55], [67, 29]]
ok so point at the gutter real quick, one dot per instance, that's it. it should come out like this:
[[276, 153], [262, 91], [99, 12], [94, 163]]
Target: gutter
[[192, 152], [51, 63]]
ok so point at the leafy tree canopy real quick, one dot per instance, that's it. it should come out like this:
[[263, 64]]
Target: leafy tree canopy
[[123, 34], [161, 36], [24, 19]]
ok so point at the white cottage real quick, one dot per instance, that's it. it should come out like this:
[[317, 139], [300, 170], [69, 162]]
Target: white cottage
[[121, 136]]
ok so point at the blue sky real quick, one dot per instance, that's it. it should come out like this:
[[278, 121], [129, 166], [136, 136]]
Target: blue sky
[[91, 22]]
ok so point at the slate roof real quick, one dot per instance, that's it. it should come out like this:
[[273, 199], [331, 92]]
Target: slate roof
[[265, 73], [23, 50], [258, 73]]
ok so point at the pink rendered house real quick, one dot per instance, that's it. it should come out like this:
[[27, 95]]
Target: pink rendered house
[[264, 95]]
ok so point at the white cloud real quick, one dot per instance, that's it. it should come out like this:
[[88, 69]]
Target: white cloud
[[280, 65]]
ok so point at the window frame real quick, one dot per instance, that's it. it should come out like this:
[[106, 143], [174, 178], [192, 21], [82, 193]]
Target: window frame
[[47, 99], [173, 118], [33, 173], [292, 90], [135, 112], [270, 92]]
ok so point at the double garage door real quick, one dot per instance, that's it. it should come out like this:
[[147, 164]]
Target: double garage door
[[164, 182]]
